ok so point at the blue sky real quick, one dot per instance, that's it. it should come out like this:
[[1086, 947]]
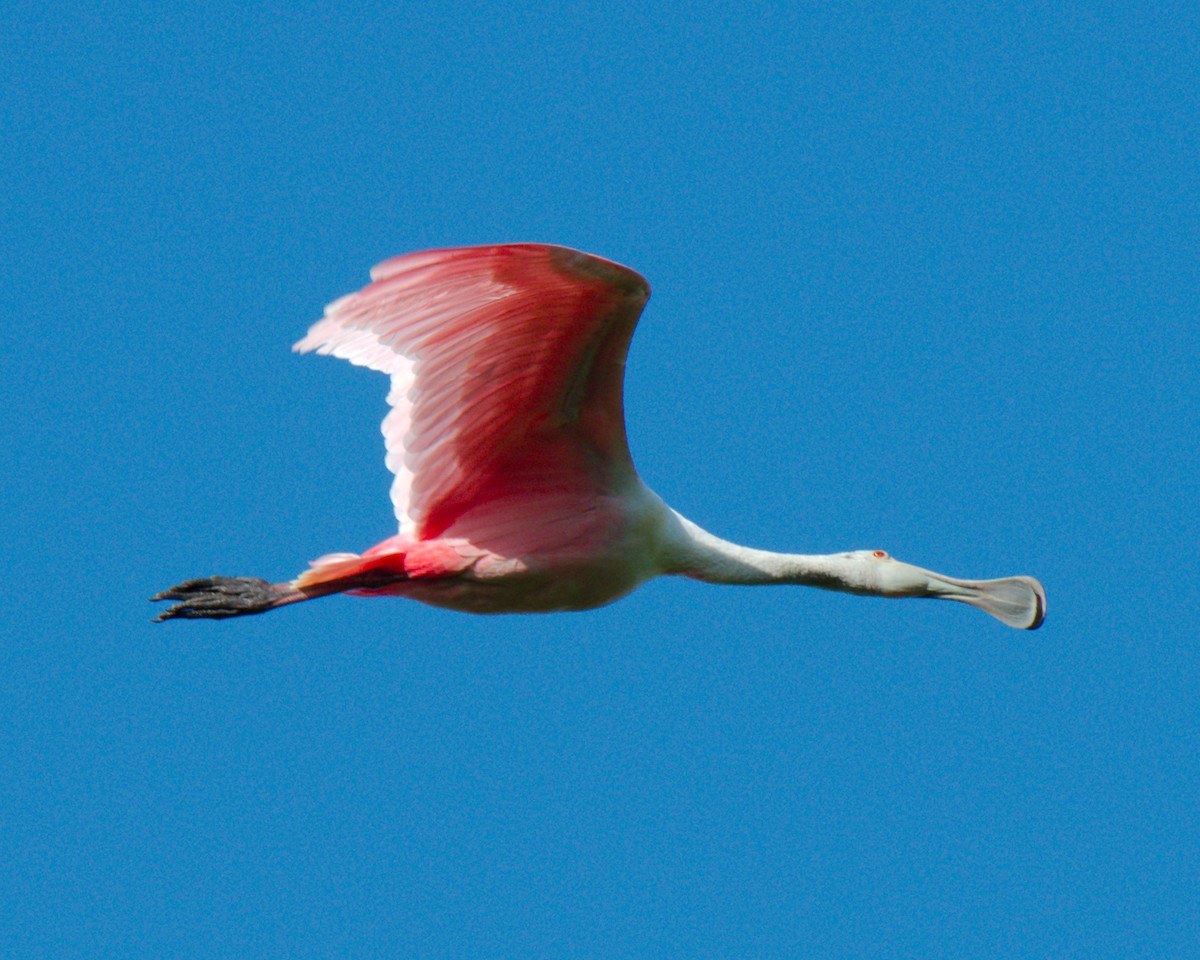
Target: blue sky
[[925, 279]]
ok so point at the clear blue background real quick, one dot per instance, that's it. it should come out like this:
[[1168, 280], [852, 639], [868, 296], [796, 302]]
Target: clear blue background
[[925, 278]]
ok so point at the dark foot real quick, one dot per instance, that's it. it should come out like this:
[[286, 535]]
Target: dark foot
[[220, 597]]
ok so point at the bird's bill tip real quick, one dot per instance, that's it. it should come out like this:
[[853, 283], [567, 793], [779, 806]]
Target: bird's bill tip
[[1018, 602]]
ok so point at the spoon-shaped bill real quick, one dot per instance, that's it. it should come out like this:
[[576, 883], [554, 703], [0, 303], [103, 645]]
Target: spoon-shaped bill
[[1016, 601]]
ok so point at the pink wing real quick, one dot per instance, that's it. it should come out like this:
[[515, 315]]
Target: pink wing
[[507, 366]]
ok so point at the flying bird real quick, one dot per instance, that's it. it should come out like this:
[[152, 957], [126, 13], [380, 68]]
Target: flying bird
[[514, 488]]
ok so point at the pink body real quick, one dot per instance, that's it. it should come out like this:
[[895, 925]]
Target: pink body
[[578, 561]]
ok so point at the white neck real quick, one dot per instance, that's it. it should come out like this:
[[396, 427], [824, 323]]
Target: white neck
[[696, 553], [684, 548]]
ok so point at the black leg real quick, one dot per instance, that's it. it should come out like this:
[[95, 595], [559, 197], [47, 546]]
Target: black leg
[[216, 598]]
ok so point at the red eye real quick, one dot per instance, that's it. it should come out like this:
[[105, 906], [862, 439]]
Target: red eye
[[879, 553]]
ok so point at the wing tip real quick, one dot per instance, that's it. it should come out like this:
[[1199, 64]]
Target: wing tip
[[631, 283]]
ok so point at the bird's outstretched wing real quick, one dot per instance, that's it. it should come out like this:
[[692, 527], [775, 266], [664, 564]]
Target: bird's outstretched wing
[[507, 366]]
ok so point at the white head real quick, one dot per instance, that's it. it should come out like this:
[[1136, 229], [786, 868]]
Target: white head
[[1017, 601]]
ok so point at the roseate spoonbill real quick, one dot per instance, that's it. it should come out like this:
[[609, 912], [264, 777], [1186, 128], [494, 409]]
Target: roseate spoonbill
[[513, 486]]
